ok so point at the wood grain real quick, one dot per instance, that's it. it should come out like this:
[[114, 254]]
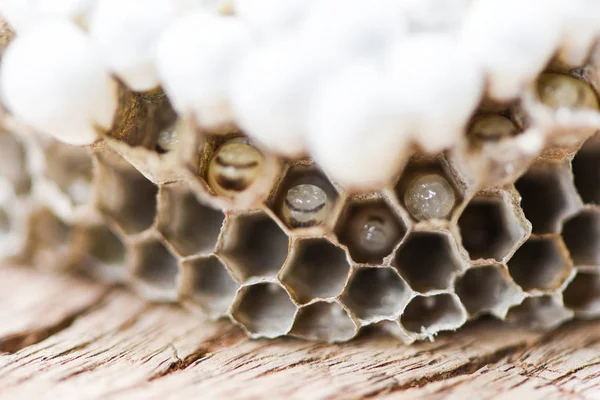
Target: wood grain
[[84, 341]]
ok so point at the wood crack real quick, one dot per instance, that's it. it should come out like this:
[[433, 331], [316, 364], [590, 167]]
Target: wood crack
[[467, 368], [226, 339], [15, 342]]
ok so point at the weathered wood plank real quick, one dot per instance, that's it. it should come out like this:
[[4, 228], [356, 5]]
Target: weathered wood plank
[[34, 305], [120, 343], [121, 347]]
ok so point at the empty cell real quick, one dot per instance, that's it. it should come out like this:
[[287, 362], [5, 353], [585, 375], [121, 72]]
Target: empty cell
[[14, 164], [47, 230], [155, 270], [540, 264], [5, 222], [100, 252], [540, 312], [376, 293], [488, 289], [305, 198], [104, 245], [583, 294], [586, 170], [125, 195], [207, 286], [264, 310], [371, 230], [48, 240], [13, 236], [490, 228], [548, 195], [317, 269], [142, 116], [393, 328], [581, 234], [428, 191], [70, 168], [427, 261], [188, 225], [254, 245], [324, 321], [430, 314]]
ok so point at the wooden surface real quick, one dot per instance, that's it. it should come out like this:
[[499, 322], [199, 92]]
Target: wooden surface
[[61, 337]]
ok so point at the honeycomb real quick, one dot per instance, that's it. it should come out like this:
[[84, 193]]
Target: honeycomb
[[211, 220]]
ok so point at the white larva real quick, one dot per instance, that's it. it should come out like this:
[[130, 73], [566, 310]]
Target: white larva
[[429, 196], [373, 233], [305, 205], [563, 91], [234, 168], [53, 79]]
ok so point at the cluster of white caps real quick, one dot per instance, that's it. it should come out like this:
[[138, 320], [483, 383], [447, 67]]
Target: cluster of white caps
[[350, 83]]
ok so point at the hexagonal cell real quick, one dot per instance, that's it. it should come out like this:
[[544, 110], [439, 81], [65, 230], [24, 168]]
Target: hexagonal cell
[[428, 190], [324, 321], [370, 229], [497, 147], [14, 164], [5, 225], [173, 134], [305, 198], [232, 170], [206, 286], [154, 270], [206, 149], [581, 234], [570, 119], [264, 310], [376, 293], [583, 294], [14, 219], [316, 269], [188, 225], [548, 195], [586, 170], [428, 261], [70, 169], [99, 252], [427, 315], [488, 289], [144, 116], [48, 239], [541, 263], [395, 329], [125, 196], [254, 246], [490, 227], [11, 236], [541, 312]]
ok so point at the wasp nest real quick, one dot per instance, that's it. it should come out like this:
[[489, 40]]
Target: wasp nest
[[431, 184]]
